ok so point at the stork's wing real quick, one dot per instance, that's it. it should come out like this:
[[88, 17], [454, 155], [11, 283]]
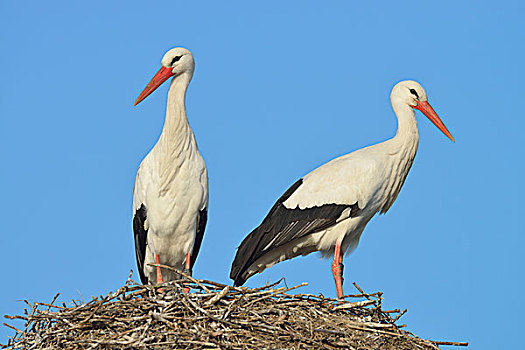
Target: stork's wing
[[141, 235], [201, 225], [281, 226]]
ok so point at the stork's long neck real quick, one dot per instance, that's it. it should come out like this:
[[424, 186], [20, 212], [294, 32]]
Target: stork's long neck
[[177, 137], [407, 136], [401, 150]]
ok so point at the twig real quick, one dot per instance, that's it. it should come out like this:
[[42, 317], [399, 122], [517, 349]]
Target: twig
[[219, 296], [453, 343], [399, 316], [16, 329], [353, 305]]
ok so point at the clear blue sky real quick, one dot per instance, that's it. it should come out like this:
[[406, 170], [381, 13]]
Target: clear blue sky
[[279, 88]]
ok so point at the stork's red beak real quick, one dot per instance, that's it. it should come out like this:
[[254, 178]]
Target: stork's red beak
[[162, 75], [429, 112]]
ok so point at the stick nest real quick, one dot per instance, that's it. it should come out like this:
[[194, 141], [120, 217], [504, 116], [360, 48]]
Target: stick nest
[[213, 316]]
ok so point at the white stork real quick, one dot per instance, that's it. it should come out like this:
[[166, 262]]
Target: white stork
[[170, 196], [328, 209]]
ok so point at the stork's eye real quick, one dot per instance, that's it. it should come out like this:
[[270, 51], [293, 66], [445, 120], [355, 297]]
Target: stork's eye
[[175, 59], [414, 92]]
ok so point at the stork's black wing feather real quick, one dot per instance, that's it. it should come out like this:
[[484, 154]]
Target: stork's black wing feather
[[141, 235], [281, 226], [201, 226]]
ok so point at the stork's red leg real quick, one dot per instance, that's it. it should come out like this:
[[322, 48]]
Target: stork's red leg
[[187, 266], [337, 269], [159, 274]]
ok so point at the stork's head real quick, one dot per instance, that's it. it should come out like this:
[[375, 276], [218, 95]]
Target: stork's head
[[175, 62], [179, 60], [411, 93]]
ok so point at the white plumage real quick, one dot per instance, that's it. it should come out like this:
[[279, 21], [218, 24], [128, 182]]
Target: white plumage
[[328, 209], [170, 197]]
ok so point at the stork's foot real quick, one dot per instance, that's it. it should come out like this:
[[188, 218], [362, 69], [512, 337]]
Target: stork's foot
[[160, 280], [337, 270], [187, 270]]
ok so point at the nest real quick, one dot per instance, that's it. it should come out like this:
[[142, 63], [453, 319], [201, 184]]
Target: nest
[[214, 316]]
